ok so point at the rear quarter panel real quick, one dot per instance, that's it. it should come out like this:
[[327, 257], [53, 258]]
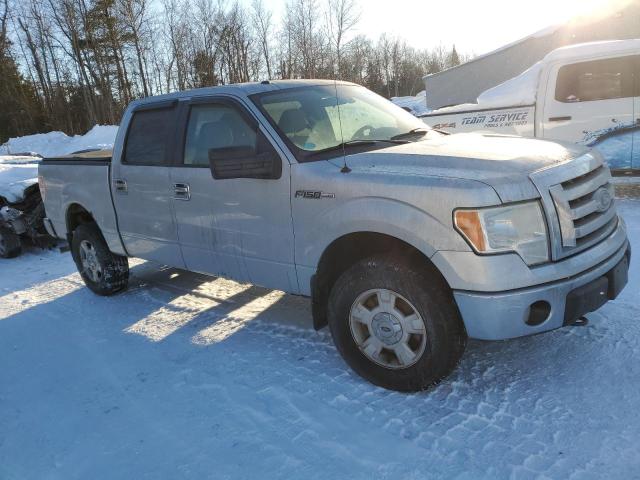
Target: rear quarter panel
[[75, 182]]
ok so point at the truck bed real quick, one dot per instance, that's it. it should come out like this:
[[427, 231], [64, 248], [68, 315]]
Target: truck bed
[[80, 180], [85, 157]]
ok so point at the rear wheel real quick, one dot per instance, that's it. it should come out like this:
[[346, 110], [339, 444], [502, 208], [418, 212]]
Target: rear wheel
[[395, 324], [104, 272], [10, 245]]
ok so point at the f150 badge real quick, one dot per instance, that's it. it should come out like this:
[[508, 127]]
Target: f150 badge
[[313, 194]]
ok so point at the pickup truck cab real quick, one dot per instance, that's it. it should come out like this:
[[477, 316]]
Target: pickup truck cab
[[588, 94], [407, 240]]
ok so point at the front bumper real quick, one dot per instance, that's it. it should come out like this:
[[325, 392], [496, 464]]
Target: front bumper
[[501, 315]]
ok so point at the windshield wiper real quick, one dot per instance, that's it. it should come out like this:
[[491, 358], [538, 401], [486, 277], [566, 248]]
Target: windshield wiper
[[413, 131], [358, 142]]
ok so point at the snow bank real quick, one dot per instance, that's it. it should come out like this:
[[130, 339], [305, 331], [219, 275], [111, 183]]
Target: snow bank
[[416, 105], [57, 143], [16, 175], [515, 92]]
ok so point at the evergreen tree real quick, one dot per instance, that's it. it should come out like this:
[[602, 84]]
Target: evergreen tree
[[20, 109], [454, 58]]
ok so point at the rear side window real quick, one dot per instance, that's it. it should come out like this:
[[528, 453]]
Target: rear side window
[[149, 135], [596, 80]]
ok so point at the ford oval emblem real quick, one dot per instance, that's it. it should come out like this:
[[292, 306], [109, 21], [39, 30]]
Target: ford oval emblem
[[603, 199]]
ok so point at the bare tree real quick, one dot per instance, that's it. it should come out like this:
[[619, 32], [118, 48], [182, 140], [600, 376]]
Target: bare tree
[[79, 62], [303, 29], [262, 23], [342, 17], [4, 24], [134, 15]]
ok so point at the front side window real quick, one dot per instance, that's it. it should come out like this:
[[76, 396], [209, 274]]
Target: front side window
[[213, 127], [148, 137], [595, 80], [319, 118]]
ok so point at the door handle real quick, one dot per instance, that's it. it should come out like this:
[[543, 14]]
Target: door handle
[[121, 185], [559, 119], [181, 191]]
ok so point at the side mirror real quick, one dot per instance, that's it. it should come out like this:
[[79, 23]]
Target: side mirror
[[244, 162]]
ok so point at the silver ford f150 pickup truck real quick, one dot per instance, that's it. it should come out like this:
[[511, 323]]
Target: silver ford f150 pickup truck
[[407, 240]]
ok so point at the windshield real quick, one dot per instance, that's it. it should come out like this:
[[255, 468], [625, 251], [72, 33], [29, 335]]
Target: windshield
[[313, 119]]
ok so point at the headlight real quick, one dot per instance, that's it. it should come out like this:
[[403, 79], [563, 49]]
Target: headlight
[[516, 228]]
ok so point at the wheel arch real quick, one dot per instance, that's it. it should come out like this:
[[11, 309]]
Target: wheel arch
[[76, 215], [347, 250]]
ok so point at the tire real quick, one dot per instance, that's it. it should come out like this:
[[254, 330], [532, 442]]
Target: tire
[[10, 245], [431, 339], [104, 272]]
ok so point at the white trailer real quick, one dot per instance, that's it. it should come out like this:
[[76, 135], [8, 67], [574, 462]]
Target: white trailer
[[587, 94]]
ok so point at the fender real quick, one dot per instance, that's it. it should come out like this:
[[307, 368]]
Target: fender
[[374, 215]]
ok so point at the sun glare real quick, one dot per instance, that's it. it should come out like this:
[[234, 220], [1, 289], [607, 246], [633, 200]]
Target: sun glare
[[564, 10], [474, 27]]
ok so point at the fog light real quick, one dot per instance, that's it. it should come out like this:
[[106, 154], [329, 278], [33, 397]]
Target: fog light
[[538, 313]]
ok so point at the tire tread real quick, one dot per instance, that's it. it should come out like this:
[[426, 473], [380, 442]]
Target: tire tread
[[115, 267], [427, 290]]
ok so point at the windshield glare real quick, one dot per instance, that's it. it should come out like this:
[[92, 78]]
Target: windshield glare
[[315, 119]]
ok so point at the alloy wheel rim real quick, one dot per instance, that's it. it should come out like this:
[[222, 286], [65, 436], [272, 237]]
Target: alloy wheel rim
[[387, 328], [89, 260]]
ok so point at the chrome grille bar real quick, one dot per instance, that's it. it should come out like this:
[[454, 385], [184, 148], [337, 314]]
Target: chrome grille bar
[[598, 222], [577, 190], [578, 200], [587, 205]]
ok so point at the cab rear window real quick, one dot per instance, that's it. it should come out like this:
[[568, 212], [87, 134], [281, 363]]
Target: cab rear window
[[148, 138]]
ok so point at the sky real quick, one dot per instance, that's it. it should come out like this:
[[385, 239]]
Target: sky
[[474, 26]]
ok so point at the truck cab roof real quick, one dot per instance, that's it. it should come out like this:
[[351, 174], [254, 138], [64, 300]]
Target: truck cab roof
[[591, 49], [239, 89]]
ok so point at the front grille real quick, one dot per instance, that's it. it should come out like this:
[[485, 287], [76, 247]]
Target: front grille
[[579, 201]]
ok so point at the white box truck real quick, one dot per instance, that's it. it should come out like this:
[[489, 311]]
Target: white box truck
[[587, 94]]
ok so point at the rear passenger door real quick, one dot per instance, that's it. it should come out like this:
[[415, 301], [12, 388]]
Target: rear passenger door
[[591, 103], [141, 185], [234, 227]]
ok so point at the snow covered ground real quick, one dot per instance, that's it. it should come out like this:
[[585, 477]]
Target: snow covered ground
[[185, 376]]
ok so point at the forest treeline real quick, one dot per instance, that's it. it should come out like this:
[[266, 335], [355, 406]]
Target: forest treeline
[[69, 64]]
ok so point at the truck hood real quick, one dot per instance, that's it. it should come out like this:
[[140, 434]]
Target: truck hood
[[503, 162]]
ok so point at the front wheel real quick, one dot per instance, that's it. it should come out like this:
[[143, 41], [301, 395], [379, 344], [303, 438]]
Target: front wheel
[[396, 325], [104, 272]]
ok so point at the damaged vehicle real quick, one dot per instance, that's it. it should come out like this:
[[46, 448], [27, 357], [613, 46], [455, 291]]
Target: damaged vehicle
[[407, 240], [21, 207]]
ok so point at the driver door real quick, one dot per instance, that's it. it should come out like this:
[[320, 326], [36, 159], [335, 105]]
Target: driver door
[[239, 228]]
